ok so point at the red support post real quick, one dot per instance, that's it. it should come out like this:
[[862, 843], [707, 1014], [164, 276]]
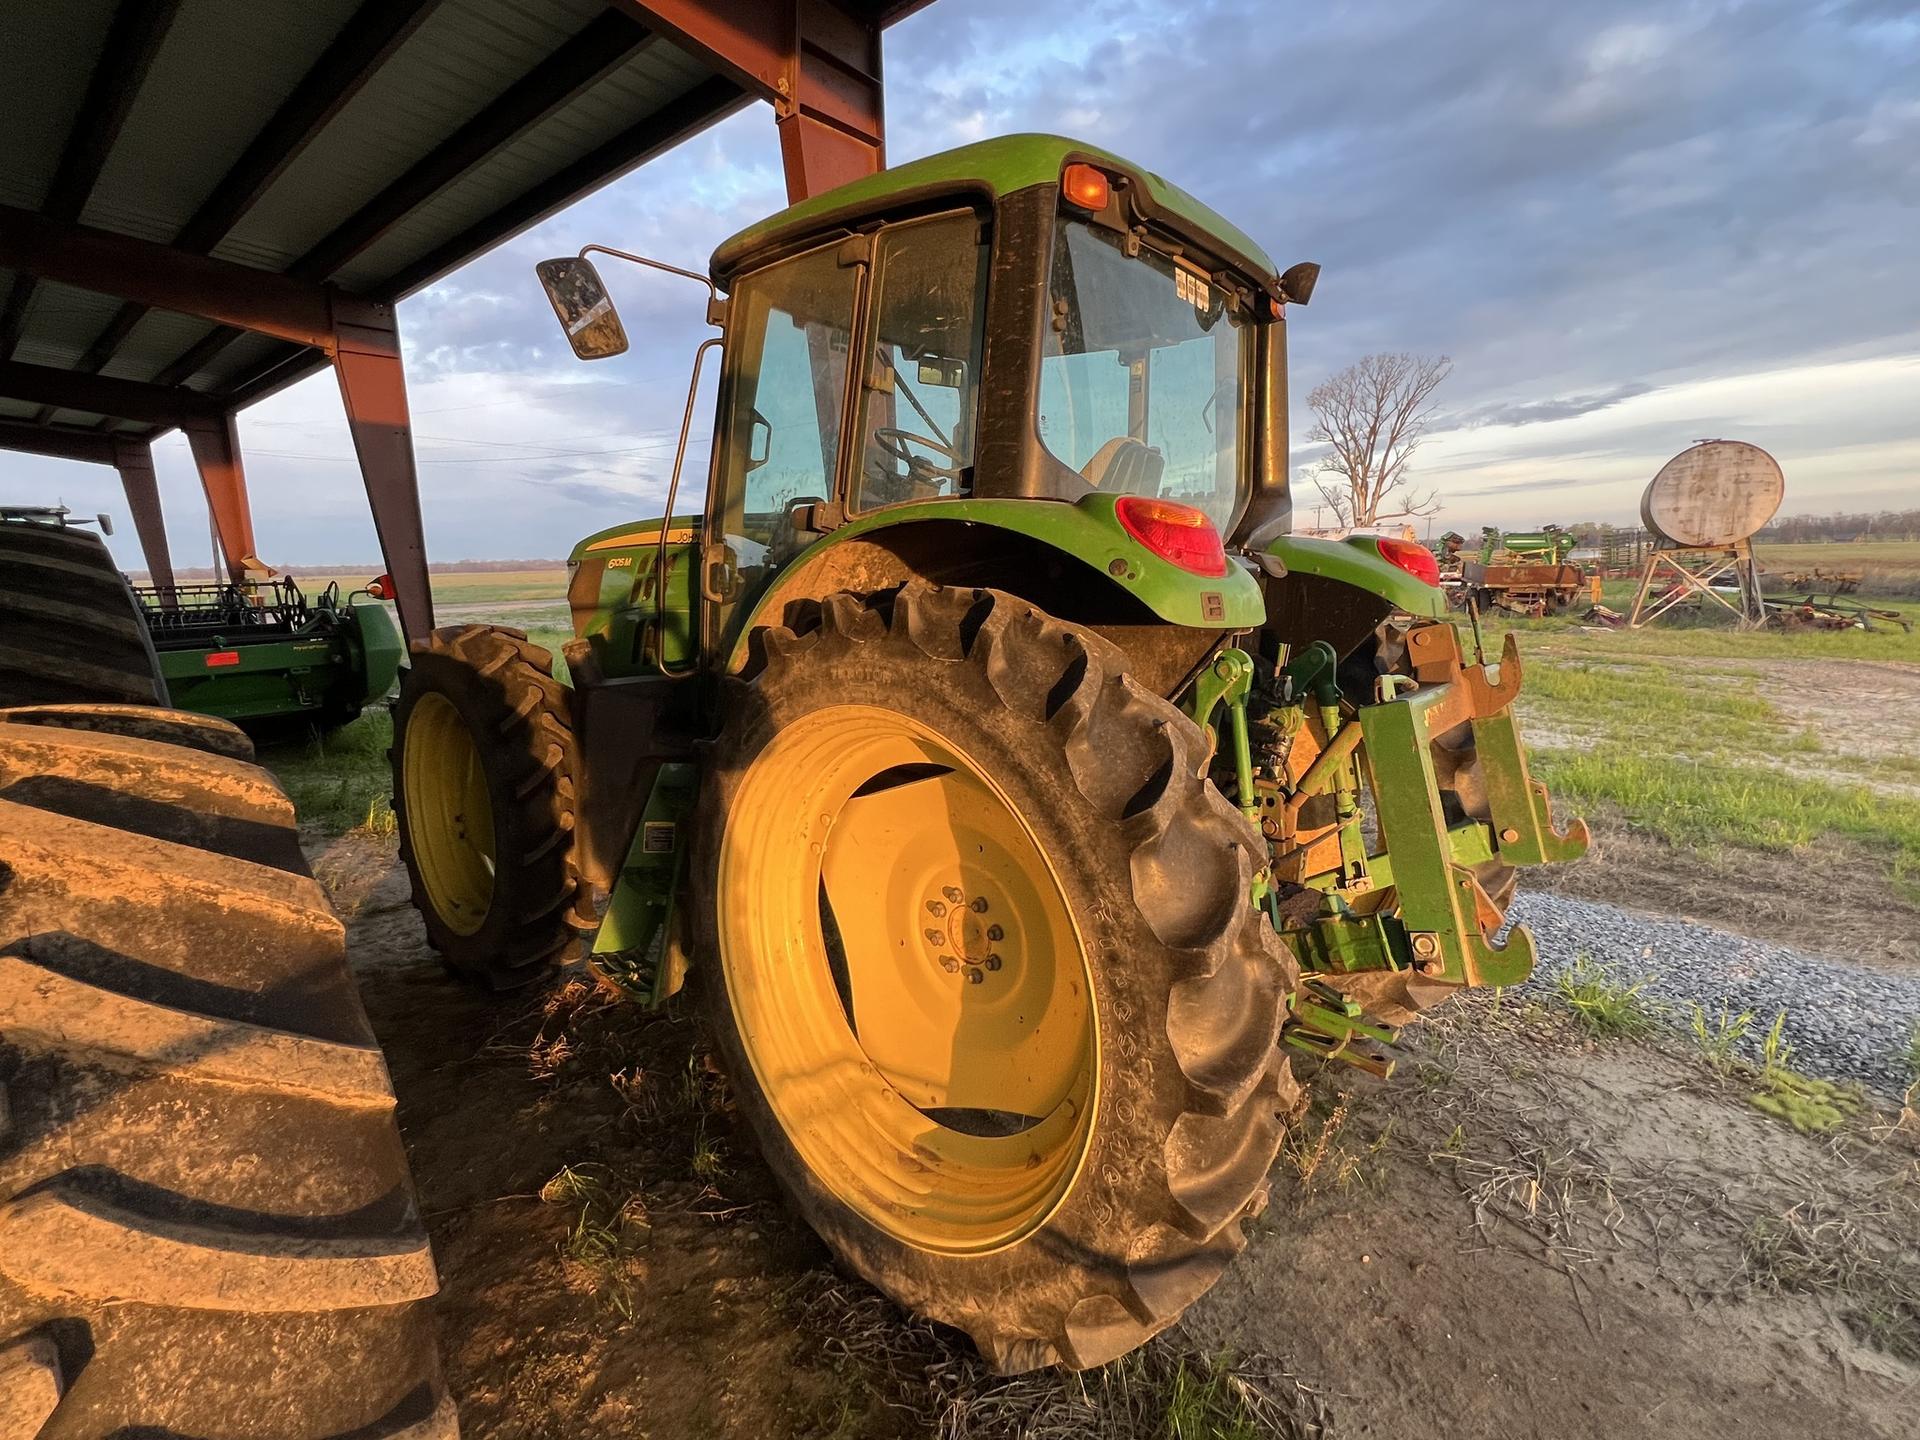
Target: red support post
[[215, 442], [817, 63], [134, 460], [373, 387]]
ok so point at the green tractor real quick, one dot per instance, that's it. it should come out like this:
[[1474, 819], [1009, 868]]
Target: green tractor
[[1014, 791]]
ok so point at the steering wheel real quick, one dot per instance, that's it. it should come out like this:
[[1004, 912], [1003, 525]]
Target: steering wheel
[[894, 444]]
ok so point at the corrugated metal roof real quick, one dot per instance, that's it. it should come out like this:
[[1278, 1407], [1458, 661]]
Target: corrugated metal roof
[[207, 78]]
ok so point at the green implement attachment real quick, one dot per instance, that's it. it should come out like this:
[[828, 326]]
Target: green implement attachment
[[265, 652]]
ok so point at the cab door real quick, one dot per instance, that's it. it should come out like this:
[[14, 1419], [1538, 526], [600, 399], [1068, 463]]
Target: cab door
[[782, 415]]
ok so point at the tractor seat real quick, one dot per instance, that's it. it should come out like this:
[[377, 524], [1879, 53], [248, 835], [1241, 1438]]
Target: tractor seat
[[1125, 466]]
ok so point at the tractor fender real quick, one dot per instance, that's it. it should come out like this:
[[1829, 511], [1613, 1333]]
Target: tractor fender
[[1357, 561], [1073, 557], [1337, 591]]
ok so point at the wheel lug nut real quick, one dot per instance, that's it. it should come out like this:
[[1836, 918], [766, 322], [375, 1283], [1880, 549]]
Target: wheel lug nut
[[953, 894], [996, 934], [949, 964], [993, 962], [936, 937], [974, 977], [937, 908], [979, 904]]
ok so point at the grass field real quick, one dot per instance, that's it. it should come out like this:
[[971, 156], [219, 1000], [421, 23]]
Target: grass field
[[1705, 736], [1888, 567], [471, 588]]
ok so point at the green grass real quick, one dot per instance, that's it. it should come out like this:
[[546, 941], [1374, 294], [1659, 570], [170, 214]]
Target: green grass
[[1605, 1002], [1201, 1404], [609, 1225], [1696, 754], [1681, 635], [1810, 1105], [1690, 802], [339, 782], [1720, 1035]]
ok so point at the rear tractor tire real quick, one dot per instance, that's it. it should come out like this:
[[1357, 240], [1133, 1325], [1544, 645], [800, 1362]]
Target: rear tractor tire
[[979, 957], [483, 759], [206, 1224]]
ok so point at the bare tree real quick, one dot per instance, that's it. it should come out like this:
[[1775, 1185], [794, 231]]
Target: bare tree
[[1373, 415]]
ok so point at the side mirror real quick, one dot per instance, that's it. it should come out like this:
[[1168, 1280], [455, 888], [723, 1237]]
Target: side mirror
[[586, 312], [106, 522], [1296, 284]]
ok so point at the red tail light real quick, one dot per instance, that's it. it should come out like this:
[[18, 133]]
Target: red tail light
[[1175, 532], [1416, 560], [223, 657], [381, 589]]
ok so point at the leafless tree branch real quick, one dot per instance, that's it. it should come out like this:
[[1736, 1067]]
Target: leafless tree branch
[[1372, 416]]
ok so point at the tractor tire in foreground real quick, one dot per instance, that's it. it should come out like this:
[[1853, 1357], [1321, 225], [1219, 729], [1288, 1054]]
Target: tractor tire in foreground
[[70, 629], [979, 957], [206, 1222], [483, 756]]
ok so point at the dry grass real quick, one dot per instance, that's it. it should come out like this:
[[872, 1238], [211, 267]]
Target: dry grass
[[927, 1380], [1818, 1248]]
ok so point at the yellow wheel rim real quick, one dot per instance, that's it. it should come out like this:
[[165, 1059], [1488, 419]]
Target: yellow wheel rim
[[907, 980], [449, 815]]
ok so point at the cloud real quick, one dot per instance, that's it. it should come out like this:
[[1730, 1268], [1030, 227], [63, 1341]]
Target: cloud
[[1564, 482], [1535, 412], [1618, 218]]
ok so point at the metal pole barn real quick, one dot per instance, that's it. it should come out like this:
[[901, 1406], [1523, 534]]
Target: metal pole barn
[[164, 263]]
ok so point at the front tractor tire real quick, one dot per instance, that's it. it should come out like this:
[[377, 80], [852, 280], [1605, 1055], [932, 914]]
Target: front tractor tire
[[483, 758], [984, 969]]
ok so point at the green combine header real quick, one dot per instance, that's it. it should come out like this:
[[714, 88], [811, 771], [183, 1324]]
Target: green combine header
[[265, 653]]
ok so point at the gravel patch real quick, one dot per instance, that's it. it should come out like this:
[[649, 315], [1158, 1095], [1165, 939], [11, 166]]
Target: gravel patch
[[1844, 1021]]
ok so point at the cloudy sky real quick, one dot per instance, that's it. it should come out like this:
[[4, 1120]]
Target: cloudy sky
[[1630, 225]]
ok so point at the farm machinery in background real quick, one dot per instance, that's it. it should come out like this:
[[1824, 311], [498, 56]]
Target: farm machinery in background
[[1014, 791], [269, 656], [1525, 572], [259, 652]]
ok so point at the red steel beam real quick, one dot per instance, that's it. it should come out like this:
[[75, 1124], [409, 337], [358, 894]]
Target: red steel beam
[[215, 442], [57, 441], [818, 64], [133, 38], [373, 387], [166, 405], [134, 460], [165, 278]]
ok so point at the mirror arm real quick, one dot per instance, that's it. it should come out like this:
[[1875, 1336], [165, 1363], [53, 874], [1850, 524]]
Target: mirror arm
[[666, 520], [716, 307]]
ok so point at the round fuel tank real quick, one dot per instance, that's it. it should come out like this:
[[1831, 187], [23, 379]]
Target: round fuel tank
[[1715, 493]]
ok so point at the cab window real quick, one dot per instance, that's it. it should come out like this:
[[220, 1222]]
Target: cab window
[[919, 386], [783, 396]]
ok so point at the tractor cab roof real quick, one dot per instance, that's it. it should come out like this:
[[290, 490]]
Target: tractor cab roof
[[993, 168]]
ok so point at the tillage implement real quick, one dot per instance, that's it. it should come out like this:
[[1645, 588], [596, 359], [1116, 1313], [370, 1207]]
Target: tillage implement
[[1014, 791]]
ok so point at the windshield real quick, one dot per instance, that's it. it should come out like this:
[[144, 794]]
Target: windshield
[[1143, 380]]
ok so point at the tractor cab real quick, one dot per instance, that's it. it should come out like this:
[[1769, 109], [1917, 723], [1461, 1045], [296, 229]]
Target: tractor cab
[[1027, 319]]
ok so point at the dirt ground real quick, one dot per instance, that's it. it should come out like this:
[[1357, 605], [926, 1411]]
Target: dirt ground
[[1528, 1234], [1522, 1233]]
